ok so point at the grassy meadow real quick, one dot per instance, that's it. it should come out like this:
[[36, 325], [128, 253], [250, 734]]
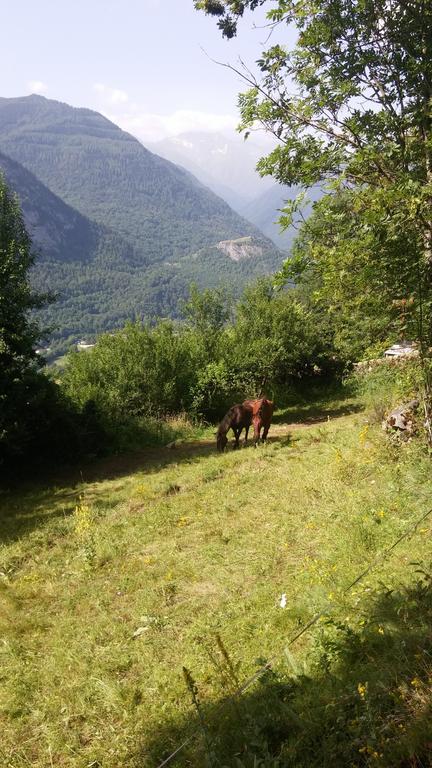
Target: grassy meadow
[[139, 593]]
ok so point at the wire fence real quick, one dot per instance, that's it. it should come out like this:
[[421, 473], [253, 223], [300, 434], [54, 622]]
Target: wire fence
[[306, 627]]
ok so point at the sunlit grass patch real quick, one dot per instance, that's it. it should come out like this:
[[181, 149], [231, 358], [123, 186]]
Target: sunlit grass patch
[[109, 588]]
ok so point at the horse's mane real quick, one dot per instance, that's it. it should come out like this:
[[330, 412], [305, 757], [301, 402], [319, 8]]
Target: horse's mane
[[226, 421]]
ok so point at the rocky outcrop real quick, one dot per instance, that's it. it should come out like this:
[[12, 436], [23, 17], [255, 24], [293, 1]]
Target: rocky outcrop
[[241, 248]]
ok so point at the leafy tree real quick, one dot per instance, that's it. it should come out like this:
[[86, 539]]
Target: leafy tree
[[202, 365], [278, 340], [206, 313], [135, 372], [21, 389], [355, 262], [351, 103], [350, 106], [218, 385]]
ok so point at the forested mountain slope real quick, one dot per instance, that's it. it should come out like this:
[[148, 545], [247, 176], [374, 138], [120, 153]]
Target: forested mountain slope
[[226, 164], [90, 268], [110, 177], [228, 167], [59, 232], [120, 232]]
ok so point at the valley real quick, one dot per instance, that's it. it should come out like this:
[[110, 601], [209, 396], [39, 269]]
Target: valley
[[170, 596], [120, 233]]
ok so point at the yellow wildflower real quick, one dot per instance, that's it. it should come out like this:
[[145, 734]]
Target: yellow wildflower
[[362, 690], [82, 519], [363, 434]]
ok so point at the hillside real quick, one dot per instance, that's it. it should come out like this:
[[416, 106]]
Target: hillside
[[93, 271], [58, 230], [130, 569], [120, 232], [107, 175], [224, 163], [228, 167]]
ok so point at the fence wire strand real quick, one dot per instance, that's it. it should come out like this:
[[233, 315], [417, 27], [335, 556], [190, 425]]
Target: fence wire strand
[[266, 667]]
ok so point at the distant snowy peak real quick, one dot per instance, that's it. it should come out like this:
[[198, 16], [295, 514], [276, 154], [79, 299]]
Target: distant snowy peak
[[226, 164], [178, 141], [220, 150]]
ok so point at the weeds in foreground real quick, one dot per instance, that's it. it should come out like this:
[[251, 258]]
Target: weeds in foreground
[[84, 531], [364, 699]]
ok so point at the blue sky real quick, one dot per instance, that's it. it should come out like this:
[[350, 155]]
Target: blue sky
[[140, 62]]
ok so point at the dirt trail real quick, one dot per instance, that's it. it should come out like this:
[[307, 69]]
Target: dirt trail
[[179, 450], [151, 459]]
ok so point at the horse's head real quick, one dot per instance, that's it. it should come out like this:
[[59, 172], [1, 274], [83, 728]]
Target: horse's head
[[221, 440]]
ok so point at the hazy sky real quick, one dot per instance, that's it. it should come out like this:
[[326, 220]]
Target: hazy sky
[[138, 61]]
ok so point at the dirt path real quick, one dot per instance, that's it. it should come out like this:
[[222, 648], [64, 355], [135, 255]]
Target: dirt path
[[153, 458]]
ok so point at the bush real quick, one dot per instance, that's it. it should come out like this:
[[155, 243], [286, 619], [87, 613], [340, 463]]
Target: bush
[[216, 389], [387, 383]]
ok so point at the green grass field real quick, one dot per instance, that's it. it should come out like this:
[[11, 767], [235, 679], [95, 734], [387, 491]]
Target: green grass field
[[113, 580]]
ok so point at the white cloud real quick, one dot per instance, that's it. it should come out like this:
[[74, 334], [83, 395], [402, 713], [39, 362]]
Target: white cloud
[[111, 95], [149, 127], [37, 86]]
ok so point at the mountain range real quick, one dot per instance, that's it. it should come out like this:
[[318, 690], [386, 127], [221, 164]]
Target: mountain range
[[121, 232], [227, 165]]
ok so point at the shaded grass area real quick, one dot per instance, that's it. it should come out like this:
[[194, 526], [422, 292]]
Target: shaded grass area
[[363, 697], [123, 449], [112, 584], [313, 404]]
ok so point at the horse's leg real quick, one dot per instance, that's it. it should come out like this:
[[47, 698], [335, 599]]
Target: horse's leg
[[237, 435], [246, 433], [265, 433], [257, 428]]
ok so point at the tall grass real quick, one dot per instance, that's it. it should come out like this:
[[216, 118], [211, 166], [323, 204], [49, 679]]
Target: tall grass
[[111, 587]]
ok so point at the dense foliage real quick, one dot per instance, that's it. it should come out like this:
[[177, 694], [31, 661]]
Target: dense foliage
[[207, 362], [350, 107], [22, 388], [358, 264]]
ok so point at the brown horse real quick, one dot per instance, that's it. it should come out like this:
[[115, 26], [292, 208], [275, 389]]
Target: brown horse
[[237, 418], [262, 412]]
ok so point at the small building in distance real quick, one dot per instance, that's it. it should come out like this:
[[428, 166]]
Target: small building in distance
[[83, 345], [404, 349]]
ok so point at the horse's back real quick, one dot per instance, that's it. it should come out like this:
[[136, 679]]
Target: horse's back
[[238, 414], [261, 409], [243, 414]]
